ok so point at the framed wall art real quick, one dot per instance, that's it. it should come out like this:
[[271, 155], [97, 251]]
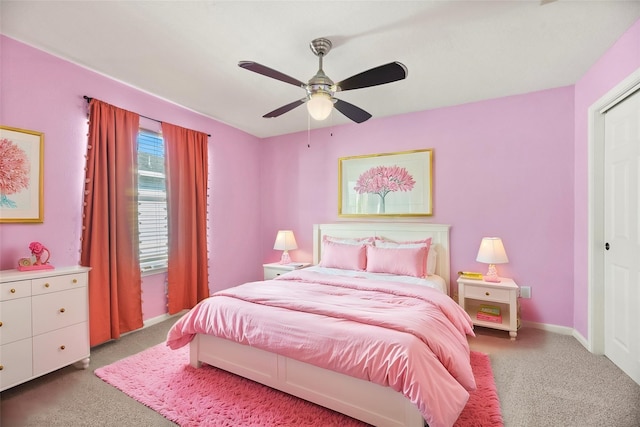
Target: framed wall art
[[21, 175], [389, 184]]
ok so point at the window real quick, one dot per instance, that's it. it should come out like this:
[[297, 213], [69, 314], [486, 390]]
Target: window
[[152, 203]]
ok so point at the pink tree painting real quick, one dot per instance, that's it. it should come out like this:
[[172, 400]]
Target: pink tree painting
[[14, 172], [382, 180]]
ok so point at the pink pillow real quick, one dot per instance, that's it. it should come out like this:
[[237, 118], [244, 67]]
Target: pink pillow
[[401, 261], [344, 256], [431, 254]]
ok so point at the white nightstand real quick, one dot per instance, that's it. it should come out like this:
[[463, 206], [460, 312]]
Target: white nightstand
[[503, 294], [273, 270]]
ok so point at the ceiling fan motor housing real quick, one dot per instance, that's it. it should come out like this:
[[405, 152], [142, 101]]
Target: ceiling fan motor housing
[[320, 46]]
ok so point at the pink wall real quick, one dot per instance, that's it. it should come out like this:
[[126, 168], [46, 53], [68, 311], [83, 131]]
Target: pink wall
[[43, 93], [502, 167], [619, 62], [514, 167]]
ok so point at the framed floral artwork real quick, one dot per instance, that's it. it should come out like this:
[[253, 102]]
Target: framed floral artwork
[[21, 175], [389, 184]]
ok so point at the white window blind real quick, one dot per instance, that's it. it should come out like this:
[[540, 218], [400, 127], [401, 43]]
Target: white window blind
[[152, 203]]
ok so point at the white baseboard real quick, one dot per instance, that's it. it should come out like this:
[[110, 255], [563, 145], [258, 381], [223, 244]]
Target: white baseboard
[[585, 342], [155, 320], [564, 330], [161, 318]]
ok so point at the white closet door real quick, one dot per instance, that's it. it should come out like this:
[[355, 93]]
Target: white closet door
[[622, 235]]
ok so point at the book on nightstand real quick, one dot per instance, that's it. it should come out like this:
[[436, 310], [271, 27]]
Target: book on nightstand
[[470, 275], [490, 309], [489, 317]]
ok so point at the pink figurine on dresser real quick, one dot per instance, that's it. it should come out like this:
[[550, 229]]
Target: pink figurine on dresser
[[41, 255]]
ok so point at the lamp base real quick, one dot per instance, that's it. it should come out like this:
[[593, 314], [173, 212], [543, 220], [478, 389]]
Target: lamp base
[[492, 274], [285, 259]]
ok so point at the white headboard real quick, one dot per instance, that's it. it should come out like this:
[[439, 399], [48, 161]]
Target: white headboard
[[398, 231]]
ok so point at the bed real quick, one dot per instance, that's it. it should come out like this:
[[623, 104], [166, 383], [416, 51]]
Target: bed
[[370, 397]]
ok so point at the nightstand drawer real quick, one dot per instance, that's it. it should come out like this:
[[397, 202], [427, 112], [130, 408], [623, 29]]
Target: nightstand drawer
[[273, 270], [271, 273], [487, 293]]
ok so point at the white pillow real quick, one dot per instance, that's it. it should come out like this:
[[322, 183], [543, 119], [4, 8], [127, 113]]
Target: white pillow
[[349, 240]]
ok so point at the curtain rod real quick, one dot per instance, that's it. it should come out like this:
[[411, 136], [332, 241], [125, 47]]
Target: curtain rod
[[88, 98]]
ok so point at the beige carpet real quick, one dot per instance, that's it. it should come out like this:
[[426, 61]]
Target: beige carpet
[[546, 379], [543, 379]]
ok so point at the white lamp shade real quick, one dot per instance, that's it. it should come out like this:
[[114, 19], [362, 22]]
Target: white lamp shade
[[492, 251], [285, 241], [320, 105]]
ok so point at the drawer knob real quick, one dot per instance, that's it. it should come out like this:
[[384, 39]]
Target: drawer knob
[[62, 347], [46, 285], [13, 291], [1, 367], [62, 310], [75, 280], [487, 293], [0, 323]]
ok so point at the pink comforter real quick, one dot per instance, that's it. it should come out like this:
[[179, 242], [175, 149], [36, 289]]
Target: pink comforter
[[409, 337]]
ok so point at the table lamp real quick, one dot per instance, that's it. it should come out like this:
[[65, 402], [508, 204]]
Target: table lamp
[[285, 241], [492, 252]]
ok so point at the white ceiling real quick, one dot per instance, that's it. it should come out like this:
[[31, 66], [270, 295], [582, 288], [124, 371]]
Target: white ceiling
[[456, 51]]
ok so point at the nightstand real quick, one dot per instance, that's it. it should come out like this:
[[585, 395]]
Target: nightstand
[[273, 270], [503, 295]]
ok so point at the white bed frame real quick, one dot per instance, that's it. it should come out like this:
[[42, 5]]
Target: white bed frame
[[360, 399]]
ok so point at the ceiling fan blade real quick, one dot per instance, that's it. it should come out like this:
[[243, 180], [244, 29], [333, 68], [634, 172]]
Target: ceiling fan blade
[[269, 72], [383, 74], [280, 111], [356, 114]]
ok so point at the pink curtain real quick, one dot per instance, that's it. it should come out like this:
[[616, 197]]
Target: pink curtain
[[110, 229], [187, 177]]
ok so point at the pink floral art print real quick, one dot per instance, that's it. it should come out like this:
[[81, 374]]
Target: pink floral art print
[[386, 184], [21, 175], [15, 170], [382, 180]]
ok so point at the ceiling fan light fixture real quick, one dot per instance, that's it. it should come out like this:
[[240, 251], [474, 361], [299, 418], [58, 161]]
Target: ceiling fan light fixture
[[320, 105]]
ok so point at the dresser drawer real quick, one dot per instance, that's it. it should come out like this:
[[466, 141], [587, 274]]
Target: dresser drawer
[[15, 320], [16, 363], [60, 348], [58, 283], [13, 290], [487, 293], [59, 309]]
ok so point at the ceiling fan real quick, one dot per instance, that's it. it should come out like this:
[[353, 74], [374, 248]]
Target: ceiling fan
[[321, 89]]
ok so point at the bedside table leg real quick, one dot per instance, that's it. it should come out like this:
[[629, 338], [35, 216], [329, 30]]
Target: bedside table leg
[[513, 335]]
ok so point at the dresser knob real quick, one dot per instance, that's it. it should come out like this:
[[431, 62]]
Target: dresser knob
[[46, 285], [1, 367], [62, 310], [62, 347], [75, 280], [13, 291], [0, 323], [487, 293]]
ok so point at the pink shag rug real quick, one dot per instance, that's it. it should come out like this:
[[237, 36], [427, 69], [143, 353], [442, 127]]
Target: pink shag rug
[[163, 380]]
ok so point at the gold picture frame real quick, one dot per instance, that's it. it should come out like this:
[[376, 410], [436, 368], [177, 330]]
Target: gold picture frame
[[387, 184], [22, 186]]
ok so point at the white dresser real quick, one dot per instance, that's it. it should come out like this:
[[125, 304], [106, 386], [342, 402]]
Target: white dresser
[[44, 322]]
